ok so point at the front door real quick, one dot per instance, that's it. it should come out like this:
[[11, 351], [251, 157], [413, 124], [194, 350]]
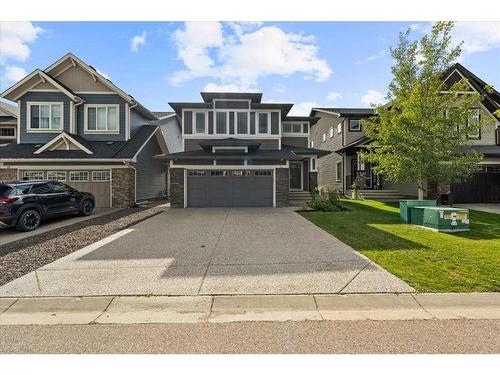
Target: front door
[[296, 175]]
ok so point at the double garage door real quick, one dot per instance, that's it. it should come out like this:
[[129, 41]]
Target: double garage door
[[482, 187], [230, 188], [96, 182]]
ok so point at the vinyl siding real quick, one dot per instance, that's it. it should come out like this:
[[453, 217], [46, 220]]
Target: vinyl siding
[[295, 141], [151, 173], [136, 121], [26, 137]]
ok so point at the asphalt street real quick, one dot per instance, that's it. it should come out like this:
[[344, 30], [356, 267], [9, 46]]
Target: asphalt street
[[417, 336]]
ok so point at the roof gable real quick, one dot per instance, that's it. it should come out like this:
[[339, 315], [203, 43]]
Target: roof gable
[[78, 79], [64, 142]]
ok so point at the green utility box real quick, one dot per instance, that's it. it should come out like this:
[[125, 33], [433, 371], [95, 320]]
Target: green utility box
[[405, 205], [442, 219]]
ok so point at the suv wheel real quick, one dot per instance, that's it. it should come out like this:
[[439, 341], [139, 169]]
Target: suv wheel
[[86, 207], [28, 221]]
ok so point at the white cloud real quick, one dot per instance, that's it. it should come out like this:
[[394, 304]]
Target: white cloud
[[15, 38], [477, 36], [279, 87], [246, 54], [137, 41], [228, 87], [415, 27], [376, 56], [105, 75], [14, 73], [372, 97], [333, 96], [302, 109]]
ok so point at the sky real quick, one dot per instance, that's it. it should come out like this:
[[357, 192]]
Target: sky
[[328, 64]]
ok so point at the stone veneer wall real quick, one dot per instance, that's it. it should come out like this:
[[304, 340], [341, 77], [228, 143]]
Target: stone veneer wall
[[8, 174], [282, 187], [177, 187], [123, 187]]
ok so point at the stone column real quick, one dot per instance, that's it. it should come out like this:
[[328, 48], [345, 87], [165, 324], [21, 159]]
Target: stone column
[[123, 187], [177, 187]]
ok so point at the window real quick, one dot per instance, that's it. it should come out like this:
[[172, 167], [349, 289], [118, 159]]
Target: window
[[295, 127], [339, 128], [33, 175], [324, 137], [58, 187], [313, 164], [7, 132], [305, 128], [473, 123], [101, 118], [101, 176], [338, 171], [56, 175], [220, 122], [330, 132], [41, 189], [200, 119], [45, 116], [263, 173], [312, 144], [196, 173], [354, 126], [218, 173], [242, 122], [76, 176], [241, 173], [263, 123]]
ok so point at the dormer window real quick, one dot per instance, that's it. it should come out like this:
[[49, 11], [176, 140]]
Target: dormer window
[[101, 118], [45, 117]]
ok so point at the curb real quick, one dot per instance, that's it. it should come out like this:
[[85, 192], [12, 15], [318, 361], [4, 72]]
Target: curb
[[224, 309]]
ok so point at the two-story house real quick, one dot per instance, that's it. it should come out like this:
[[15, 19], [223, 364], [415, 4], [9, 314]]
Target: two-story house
[[238, 151], [340, 130], [72, 124]]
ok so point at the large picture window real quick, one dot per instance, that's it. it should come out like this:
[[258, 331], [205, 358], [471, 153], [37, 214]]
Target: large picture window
[[101, 118], [45, 117]]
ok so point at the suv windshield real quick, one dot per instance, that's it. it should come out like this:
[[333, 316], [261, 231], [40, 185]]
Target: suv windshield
[[5, 190]]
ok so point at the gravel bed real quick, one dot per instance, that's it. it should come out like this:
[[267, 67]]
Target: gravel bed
[[26, 255]]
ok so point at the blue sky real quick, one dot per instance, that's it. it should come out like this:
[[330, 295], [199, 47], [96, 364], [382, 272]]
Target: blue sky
[[307, 63]]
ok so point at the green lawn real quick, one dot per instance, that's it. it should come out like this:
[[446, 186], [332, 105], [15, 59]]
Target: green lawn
[[428, 261]]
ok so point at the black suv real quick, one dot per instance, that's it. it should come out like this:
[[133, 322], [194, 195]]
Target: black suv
[[25, 204]]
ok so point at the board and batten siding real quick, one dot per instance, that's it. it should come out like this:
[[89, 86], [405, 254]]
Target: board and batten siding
[[151, 173], [45, 97], [101, 99]]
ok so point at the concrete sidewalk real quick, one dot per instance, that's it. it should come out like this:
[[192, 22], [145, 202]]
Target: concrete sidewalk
[[222, 309]]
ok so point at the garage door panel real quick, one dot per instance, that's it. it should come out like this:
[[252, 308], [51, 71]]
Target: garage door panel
[[230, 190], [100, 190], [479, 188]]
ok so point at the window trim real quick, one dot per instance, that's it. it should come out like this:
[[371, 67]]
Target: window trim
[[24, 172], [29, 129], [339, 128], [9, 128], [86, 130], [323, 138], [257, 122], [71, 179], [478, 136], [338, 177], [205, 132], [300, 133], [65, 175], [101, 171], [331, 132], [359, 124]]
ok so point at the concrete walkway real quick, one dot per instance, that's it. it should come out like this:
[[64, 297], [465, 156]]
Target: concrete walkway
[[493, 208], [223, 309], [8, 235], [212, 252]]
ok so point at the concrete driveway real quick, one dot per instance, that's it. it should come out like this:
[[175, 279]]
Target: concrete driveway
[[212, 252]]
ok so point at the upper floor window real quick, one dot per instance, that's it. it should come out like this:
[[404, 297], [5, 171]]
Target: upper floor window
[[8, 132], [295, 127], [339, 128], [263, 123], [242, 122], [45, 117], [101, 118], [200, 119], [473, 123], [220, 123], [330, 132], [312, 144], [354, 125], [324, 137]]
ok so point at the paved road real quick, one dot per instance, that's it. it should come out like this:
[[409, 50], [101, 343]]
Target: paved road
[[443, 336], [212, 252]]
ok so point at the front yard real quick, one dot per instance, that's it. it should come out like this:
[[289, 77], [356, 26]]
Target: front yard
[[428, 261]]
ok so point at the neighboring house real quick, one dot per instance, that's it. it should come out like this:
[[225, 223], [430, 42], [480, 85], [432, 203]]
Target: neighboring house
[[340, 130], [238, 151], [74, 125], [8, 122]]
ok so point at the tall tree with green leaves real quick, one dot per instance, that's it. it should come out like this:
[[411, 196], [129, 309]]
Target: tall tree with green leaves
[[418, 135]]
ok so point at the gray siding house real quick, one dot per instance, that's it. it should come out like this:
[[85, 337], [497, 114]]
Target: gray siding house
[[73, 125], [235, 150], [339, 130]]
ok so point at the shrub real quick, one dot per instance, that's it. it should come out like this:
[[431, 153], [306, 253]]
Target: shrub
[[324, 202]]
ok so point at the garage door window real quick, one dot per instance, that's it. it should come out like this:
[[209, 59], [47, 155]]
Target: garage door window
[[218, 173], [196, 173], [33, 175], [101, 176], [56, 175], [79, 176], [263, 173], [241, 173]]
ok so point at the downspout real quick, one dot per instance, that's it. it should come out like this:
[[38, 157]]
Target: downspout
[[75, 125], [127, 164], [128, 129]]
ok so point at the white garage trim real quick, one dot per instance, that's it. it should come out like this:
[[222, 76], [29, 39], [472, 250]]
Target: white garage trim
[[185, 188], [274, 187]]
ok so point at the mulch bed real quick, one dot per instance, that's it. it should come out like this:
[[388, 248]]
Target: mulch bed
[[21, 257]]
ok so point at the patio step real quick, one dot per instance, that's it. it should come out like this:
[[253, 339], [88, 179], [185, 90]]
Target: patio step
[[299, 198]]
